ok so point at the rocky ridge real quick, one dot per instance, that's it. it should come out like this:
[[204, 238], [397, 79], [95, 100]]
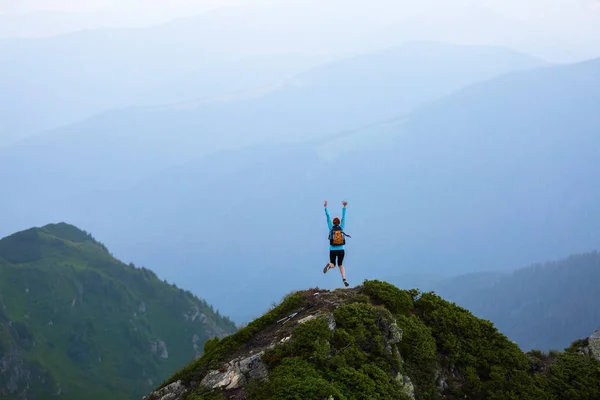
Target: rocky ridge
[[592, 346], [247, 363], [397, 344]]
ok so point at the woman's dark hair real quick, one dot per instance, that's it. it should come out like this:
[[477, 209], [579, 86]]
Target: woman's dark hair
[[336, 221]]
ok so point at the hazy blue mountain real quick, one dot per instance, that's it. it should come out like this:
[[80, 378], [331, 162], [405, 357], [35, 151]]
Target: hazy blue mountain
[[55, 81], [115, 148], [539, 307], [496, 176]]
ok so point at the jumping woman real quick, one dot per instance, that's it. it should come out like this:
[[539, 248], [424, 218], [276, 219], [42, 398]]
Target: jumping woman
[[337, 242]]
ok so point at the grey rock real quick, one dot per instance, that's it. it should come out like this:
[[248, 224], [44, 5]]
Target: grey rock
[[406, 384], [306, 319], [164, 353], [285, 339], [193, 314], [174, 391], [236, 373], [195, 341], [442, 375], [229, 377], [391, 331], [395, 333], [253, 367], [15, 377], [442, 385], [388, 348], [160, 348], [593, 347], [331, 321], [392, 334]]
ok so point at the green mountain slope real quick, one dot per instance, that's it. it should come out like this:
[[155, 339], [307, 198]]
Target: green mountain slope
[[77, 322], [379, 342]]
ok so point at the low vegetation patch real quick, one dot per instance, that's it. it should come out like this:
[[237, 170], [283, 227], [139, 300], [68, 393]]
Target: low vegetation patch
[[353, 362]]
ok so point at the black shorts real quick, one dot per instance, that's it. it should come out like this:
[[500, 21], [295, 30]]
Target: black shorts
[[339, 254]]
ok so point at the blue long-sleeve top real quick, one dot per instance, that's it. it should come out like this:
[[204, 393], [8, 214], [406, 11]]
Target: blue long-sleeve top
[[330, 226]]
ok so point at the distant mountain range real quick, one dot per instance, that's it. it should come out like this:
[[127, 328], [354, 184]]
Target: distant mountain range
[[112, 150], [48, 83], [542, 306], [78, 323]]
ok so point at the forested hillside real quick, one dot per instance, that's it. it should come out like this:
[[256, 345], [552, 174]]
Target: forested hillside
[[77, 322]]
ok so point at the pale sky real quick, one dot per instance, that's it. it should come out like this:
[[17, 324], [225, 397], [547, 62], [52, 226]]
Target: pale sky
[[125, 6], [557, 27], [549, 10], [96, 14]]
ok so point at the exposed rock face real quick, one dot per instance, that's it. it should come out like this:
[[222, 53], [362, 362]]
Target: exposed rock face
[[194, 314], [17, 376], [593, 347], [174, 391], [331, 321], [236, 373], [407, 385], [392, 334], [233, 375], [442, 385], [14, 373], [159, 348], [306, 319], [195, 341]]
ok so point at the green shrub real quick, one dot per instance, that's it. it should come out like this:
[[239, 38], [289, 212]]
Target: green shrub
[[419, 352], [202, 393], [351, 363], [294, 379], [465, 341], [489, 364], [211, 344], [575, 377], [396, 300]]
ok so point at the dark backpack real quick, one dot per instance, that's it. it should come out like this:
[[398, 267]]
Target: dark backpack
[[337, 236]]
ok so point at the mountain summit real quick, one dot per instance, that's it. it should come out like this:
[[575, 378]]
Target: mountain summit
[[79, 324], [376, 341]]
